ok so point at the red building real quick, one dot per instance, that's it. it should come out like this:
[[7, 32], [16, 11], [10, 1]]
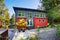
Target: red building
[[33, 17]]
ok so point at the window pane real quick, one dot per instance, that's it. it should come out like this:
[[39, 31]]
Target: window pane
[[41, 15], [23, 14], [19, 13], [29, 15], [36, 15], [44, 14]]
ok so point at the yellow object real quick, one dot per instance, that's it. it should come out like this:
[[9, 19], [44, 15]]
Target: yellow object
[[33, 35], [25, 22], [21, 22]]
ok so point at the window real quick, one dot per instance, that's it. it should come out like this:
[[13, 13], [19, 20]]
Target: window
[[29, 15], [42, 15], [36, 15], [21, 13]]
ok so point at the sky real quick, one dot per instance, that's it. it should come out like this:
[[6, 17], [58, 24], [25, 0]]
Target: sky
[[33, 4]]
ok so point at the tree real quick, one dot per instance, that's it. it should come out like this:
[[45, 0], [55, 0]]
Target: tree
[[13, 19], [54, 14], [4, 15], [51, 6]]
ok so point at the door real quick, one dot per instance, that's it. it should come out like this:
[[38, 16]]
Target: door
[[29, 22]]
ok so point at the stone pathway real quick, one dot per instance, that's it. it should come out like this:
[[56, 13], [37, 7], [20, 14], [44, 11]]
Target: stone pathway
[[43, 34], [47, 34]]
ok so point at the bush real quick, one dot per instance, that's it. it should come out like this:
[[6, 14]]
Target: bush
[[11, 26], [58, 31], [51, 26]]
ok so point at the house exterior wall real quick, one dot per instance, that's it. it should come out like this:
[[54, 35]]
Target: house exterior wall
[[34, 18], [40, 22]]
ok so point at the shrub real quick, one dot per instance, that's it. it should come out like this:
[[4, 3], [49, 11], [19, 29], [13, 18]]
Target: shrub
[[58, 31]]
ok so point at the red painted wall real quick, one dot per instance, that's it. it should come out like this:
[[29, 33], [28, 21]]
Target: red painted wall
[[17, 20], [37, 22], [40, 22]]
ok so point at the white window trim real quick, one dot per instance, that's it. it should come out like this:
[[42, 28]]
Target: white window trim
[[36, 14], [42, 15], [21, 14]]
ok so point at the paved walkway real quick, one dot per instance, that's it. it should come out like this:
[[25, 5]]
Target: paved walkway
[[43, 34], [47, 34]]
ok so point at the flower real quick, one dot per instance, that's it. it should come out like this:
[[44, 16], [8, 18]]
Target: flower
[[33, 35], [21, 22]]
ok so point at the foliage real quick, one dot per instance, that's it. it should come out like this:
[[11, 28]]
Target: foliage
[[12, 20], [58, 31], [33, 39], [4, 15], [22, 39], [53, 10], [49, 4], [54, 15], [51, 26], [11, 26], [33, 36]]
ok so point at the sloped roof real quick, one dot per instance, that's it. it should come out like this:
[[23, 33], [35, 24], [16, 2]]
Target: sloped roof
[[28, 9]]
